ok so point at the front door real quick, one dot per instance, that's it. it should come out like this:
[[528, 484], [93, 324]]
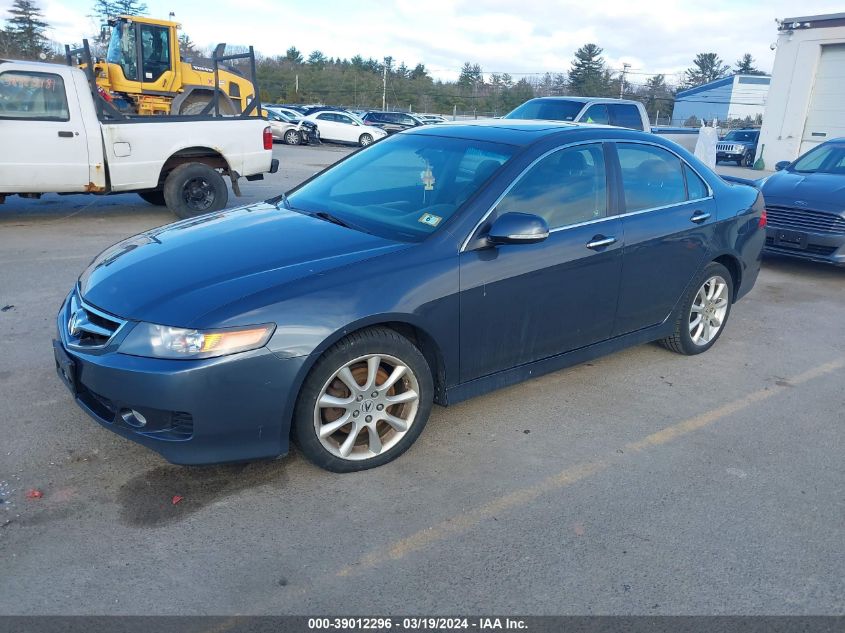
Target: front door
[[42, 135], [521, 303]]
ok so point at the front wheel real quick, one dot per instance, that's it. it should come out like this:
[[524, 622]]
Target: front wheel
[[703, 312], [748, 159], [193, 189], [366, 139], [364, 403], [292, 137]]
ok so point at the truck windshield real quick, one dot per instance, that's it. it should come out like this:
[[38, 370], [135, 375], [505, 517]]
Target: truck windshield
[[547, 110], [122, 50], [402, 188]]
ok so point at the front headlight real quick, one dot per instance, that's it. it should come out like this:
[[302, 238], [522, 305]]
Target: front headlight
[[163, 341]]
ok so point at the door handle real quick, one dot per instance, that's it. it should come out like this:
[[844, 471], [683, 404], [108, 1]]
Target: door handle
[[600, 241], [698, 217], [65, 134]]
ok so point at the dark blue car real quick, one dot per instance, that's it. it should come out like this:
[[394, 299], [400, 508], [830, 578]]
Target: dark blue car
[[436, 265], [805, 205]]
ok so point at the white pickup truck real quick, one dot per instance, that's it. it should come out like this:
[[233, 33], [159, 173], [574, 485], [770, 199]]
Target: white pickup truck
[[52, 141], [601, 110]]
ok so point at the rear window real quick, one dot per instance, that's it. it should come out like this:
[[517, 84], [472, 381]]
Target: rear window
[[547, 110], [625, 115], [32, 95]]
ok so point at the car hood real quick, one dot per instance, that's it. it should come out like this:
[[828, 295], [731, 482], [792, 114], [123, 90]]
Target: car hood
[[822, 192], [174, 274]]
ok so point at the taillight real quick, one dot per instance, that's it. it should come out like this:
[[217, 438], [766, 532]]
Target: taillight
[[268, 138], [763, 221]]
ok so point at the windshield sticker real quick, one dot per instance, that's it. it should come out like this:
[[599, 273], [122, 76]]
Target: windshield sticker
[[430, 219], [427, 177]]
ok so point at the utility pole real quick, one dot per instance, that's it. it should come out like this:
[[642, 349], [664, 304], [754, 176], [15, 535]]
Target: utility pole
[[625, 68], [384, 89]]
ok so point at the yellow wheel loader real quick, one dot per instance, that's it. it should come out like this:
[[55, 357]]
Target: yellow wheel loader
[[144, 73]]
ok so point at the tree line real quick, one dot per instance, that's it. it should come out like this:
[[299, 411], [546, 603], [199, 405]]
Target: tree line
[[357, 82]]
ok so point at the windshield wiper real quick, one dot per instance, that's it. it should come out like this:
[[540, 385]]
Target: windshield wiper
[[282, 200], [328, 217]]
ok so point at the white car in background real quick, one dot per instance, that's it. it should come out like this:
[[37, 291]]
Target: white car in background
[[343, 127]]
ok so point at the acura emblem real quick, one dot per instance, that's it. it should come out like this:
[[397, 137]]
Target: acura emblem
[[73, 324]]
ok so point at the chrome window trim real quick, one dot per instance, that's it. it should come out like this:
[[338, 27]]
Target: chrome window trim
[[597, 220]]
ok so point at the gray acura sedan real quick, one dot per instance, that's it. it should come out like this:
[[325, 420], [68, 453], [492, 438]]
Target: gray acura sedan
[[433, 266]]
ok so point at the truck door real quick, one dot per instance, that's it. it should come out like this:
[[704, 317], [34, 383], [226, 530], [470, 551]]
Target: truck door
[[42, 134]]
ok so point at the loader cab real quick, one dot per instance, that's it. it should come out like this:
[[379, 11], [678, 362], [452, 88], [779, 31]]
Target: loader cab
[[143, 49]]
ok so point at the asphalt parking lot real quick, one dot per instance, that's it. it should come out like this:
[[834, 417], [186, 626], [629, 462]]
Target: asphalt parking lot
[[641, 483]]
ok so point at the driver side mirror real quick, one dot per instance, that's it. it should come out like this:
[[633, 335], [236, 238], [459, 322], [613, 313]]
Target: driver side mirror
[[782, 164], [518, 228]]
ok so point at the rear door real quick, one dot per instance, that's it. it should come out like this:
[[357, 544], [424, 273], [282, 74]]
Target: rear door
[[42, 136], [668, 223], [524, 302]]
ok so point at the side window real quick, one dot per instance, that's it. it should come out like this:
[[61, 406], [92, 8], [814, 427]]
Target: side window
[[406, 120], [625, 115], [30, 95], [343, 119], [566, 187], [596, 113], [325, 117], [696, 187], [155, 49], [651, 177]]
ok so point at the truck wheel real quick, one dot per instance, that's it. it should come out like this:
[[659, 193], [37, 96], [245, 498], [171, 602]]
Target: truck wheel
[[155, 198], [193, 189]]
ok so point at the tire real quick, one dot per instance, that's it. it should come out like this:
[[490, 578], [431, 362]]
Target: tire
[[196, 103], [747, 160], [689, 337], [155, 198], [366, 139], [193, 189], [371, 356], [292, 137]]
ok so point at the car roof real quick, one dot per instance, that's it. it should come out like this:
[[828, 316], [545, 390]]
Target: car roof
[[521, 132]]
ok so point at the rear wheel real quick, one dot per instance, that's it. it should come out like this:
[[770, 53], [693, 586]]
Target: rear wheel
[[153, 197], [366, 139], [364, 403], [193, 189], [292, 137], [703, 312]]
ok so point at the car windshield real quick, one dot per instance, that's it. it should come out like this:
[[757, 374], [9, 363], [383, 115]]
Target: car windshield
[[547, 110], [826, 159], [404, 187], [739, 135]]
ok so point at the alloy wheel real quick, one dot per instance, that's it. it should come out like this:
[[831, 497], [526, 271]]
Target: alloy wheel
[[366, 407], [708, 310]]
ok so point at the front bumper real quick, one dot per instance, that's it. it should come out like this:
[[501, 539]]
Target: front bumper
[[226, 409], [729, 156], [817, 247]]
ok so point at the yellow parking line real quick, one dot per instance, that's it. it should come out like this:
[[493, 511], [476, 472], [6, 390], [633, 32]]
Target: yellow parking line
[[473, 517]]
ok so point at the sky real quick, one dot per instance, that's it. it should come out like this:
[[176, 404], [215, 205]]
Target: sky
[[528, 36]]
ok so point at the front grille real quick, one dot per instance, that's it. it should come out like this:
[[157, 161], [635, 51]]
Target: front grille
[[728, 148], [805, 220], [814, 249], [88, 327]]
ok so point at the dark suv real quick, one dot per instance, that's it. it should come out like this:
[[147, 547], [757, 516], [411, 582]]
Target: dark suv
[[738, 145], [392, 122]]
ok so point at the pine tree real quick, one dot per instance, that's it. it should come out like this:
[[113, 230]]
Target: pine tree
[[745, 66], [25, 29], [706, 67], [105, 9], [293, 56], [589, 76], [317, 59], [656, 96]]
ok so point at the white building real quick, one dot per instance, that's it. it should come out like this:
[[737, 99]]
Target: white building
[[734, 97], [806, 103]]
